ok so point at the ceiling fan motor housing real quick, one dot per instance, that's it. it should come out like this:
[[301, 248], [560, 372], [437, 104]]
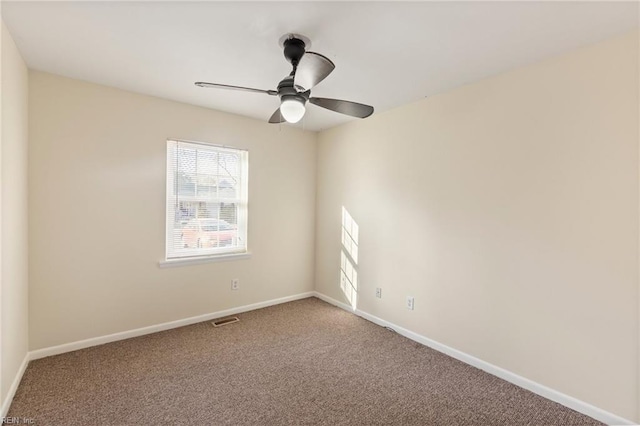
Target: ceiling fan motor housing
[[287, 91]]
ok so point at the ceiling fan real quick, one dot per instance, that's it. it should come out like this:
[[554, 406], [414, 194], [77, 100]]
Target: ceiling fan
[[309, 69]]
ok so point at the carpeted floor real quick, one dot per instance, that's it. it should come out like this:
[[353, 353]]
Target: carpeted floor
[[300, 363]]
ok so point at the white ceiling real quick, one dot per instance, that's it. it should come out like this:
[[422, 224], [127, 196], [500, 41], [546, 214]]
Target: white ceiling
[[386, 53]]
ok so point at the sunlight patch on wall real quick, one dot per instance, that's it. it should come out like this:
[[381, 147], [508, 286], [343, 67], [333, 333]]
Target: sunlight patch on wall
[[349, 258], [350, 235]]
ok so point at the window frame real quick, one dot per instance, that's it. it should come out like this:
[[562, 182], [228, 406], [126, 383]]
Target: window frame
[[171, 257]]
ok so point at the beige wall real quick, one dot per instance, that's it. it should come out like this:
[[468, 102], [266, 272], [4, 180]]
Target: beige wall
[[97, 216], [13, 213], [509, 210]]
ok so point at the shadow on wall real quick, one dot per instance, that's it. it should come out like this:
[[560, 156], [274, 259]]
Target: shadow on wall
[[349, 259]]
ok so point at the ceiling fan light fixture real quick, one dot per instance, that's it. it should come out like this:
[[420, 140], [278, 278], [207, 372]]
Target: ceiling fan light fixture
[[292, 109]]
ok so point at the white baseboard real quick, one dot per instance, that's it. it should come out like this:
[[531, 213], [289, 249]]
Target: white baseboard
[[95, 341], [334, 302], [14, 386], [553, 395]]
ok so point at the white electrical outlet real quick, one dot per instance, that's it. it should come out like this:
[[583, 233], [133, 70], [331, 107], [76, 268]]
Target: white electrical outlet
[[410, 303], [235, 284], [378, 292]]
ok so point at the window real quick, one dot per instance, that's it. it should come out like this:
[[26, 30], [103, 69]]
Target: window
[[206, 200]]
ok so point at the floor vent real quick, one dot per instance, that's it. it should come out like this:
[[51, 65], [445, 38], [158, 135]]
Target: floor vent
[[224, 321]]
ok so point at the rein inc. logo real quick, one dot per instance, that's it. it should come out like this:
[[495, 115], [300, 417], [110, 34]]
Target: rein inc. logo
[[18, 421]]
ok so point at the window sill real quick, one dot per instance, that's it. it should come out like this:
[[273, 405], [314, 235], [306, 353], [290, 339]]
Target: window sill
[[203, 259]]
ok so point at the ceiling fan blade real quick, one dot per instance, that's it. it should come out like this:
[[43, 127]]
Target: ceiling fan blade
[[226, 86], [353, 109], [277, 117], [312, 69]]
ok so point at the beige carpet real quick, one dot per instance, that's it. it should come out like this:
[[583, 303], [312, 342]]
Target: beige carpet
[[300, 363]]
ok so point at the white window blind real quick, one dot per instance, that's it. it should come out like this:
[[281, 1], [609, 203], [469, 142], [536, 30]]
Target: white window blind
[[206, 200]]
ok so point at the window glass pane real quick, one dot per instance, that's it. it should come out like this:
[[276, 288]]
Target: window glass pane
[[206, 200]]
